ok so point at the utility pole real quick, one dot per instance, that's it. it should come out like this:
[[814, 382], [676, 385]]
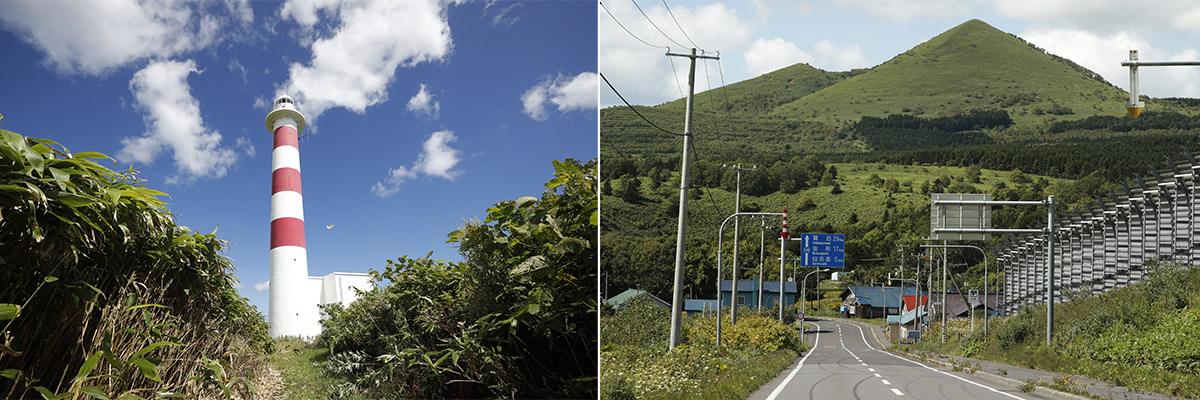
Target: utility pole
[[903, 306], [762, 242], [737, 233], [945, 261], [680, 238]]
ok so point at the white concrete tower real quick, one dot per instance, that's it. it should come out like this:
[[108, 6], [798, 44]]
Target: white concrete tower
[[293, 311]]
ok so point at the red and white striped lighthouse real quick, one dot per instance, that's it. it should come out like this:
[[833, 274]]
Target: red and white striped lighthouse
[[292, 312]]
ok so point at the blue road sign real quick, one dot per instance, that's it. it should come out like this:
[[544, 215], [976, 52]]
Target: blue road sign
[[823, 250]]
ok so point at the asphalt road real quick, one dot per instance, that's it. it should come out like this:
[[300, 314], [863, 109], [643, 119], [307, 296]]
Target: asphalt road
[[844, 365]]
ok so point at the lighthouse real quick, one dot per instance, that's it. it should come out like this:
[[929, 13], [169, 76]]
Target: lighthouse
[[293, 310]]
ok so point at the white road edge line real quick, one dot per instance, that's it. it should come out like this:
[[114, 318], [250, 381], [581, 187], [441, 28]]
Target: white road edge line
[[860, 331], [779, 389]]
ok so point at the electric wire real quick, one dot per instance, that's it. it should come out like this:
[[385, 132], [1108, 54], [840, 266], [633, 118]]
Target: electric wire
[[614, 18], [685, 35], [635, 4], [635, 111], [676, 74]]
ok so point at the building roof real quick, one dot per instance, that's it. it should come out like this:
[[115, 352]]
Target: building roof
[[908, 317], [888, 297], [699, 305], [768, 286], [956, 306], [630, 294]]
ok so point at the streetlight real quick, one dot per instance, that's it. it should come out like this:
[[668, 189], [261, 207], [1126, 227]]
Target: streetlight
[[803, 299]]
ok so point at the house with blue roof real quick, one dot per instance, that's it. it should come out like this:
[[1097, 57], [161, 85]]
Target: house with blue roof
[[747, 295]]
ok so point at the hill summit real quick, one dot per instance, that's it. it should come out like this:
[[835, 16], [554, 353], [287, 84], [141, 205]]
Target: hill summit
[[971, 66]]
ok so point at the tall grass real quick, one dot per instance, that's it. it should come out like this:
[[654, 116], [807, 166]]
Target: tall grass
[[117, 299]]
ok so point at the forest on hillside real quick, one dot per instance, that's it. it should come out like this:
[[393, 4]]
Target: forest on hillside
[[641, 192]]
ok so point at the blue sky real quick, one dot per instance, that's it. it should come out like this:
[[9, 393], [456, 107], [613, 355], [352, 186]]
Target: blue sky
[[420, 113], [759, 36]]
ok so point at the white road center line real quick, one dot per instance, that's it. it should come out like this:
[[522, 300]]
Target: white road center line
[[878, 376], [885, 382], [897, 391]]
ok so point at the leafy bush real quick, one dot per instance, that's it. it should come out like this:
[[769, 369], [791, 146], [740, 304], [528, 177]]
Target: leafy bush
[[752, 331], [116, 298], [638, 323], [1018, 329], [517, 318]]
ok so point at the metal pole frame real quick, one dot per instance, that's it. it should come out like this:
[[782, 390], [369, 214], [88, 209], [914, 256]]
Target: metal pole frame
[[720, 239], [1049, 231], [985, 276]]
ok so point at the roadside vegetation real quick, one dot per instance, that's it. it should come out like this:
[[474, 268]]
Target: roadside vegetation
[[515, 319], [635, 361], [1142, 336], [105, 295]]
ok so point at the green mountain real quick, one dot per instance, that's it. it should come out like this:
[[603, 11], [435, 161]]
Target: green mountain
[[973, 66]]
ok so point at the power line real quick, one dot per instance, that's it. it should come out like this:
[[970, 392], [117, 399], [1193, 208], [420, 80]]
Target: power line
[[614, 18], [635, 4], [635, 111], [677, 24], [676, 74]]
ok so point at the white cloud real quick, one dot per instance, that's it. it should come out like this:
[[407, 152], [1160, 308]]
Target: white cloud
[[1104, 15], [768, 55], [1103, 53], [262, 286], [568, 93], [423, 103], [437, 159], [905, 11], [642, 73], [830, 57], [352, 66], [502, 16], [94, 37], [173, 122]]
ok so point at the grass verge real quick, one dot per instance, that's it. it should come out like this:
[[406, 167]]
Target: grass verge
[[298, 363], [1141, 336]]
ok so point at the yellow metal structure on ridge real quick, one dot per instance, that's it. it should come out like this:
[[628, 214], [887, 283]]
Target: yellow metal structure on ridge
[[1134, 111]]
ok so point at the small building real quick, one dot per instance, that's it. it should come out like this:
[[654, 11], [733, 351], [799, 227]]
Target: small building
[[700, 306], [628, 295], [747, 295], [876, 302]]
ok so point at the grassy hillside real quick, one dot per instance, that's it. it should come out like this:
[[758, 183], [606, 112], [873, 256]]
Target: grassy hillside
[[972, 66]]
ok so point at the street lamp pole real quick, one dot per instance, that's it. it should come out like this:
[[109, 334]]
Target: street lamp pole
[[804, 300]]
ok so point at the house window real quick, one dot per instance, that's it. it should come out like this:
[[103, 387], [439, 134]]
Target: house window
[[741, 300]]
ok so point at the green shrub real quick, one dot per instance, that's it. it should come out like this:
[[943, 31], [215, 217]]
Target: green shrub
[[638, 323], [754, 332], [517, 318], [1020, 328]]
